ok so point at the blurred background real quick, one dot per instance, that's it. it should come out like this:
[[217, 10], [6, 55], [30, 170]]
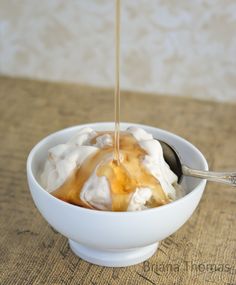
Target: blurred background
[[170, 47]]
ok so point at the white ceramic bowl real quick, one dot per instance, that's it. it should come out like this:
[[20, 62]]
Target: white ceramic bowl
[[115, 238]]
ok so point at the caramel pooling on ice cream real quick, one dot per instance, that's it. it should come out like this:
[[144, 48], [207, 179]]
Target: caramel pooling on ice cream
[[123, 178]]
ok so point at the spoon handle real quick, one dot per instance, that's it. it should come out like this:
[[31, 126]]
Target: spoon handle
[[222, 177]]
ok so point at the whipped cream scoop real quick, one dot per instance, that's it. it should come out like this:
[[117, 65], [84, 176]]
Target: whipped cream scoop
[[63, 159]]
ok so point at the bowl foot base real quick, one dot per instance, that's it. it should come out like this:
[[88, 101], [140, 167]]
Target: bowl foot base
[[113, 258]]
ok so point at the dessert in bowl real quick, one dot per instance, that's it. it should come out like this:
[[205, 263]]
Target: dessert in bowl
[[114, 238]]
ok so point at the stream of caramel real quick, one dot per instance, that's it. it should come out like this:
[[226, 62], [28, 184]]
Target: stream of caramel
[[117, 84]]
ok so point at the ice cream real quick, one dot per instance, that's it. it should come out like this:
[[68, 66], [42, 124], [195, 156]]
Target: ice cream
[[82, 172]]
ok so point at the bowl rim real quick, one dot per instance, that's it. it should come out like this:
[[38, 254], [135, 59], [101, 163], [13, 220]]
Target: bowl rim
[[201, 184]]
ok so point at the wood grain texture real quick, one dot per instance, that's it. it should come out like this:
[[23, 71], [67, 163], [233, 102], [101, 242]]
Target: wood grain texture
[[203, 251]]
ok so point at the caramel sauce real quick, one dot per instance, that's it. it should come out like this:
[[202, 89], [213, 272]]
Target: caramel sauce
[[123, 178], [120, 163]]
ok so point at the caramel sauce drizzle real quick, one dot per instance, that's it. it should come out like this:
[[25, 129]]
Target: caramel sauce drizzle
[[120, 163]]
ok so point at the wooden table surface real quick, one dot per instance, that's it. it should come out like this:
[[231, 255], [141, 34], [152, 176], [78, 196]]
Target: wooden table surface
[[203, 251]]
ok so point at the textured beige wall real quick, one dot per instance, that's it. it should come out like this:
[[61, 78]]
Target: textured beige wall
[[177, 47]]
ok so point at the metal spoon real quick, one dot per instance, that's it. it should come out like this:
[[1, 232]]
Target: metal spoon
[[173, 159]]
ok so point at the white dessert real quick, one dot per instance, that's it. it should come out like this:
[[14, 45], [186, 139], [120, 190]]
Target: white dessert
[[63, 159]]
